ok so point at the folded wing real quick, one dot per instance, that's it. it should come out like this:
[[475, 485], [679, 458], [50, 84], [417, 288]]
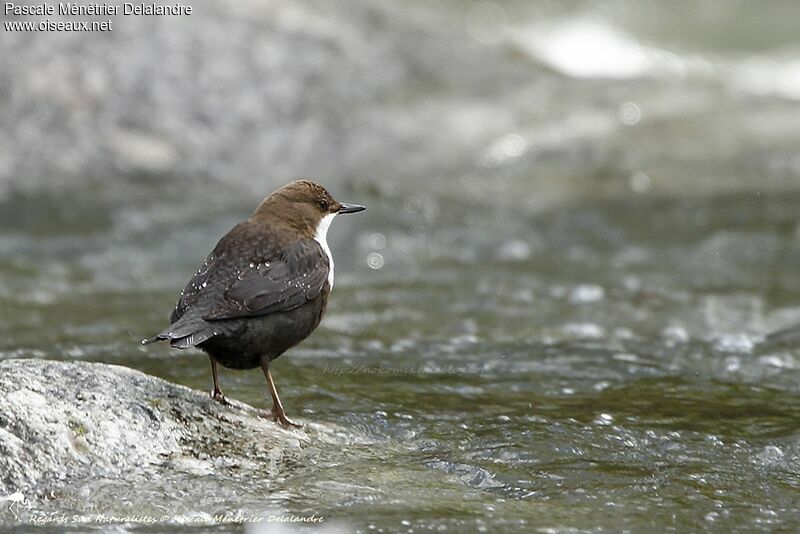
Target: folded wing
[[277, 284], [274, 281]]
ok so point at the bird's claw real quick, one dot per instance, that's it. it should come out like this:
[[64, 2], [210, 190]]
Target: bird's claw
[[220, 398], [279, 416]]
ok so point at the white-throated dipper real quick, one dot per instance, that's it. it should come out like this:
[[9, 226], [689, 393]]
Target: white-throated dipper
[[264, 287]]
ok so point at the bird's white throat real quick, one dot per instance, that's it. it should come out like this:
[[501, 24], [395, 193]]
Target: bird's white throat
[[321, 238]]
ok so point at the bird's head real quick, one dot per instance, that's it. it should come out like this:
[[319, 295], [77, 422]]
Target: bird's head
[[306, 206]]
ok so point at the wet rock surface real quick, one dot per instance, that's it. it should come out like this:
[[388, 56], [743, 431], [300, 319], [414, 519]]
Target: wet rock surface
[[65, 424]]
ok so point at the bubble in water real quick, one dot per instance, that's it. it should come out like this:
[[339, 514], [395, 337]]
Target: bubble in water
[[584, 330], [505, 148], [513, 145], [587, 293], [733, 364], [513, 250], [375, 261], [640, 182], [675, 334], [600, 386], [377, 241], [629, 114], [413, 205], [604, 419], [632, 282]]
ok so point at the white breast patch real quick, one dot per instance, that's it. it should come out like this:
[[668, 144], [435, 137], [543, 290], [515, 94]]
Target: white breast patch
[[321, 238]]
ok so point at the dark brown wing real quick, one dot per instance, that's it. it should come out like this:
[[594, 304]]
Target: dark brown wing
[[194, 289], [277, 284]]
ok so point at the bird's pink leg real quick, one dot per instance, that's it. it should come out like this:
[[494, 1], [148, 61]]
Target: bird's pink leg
[[278, 414], [217, 394]]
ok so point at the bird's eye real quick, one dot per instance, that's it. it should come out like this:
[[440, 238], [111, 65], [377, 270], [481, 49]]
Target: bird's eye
[[323, 204]]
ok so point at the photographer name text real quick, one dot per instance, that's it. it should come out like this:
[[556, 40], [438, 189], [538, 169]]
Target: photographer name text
[[78, 9]]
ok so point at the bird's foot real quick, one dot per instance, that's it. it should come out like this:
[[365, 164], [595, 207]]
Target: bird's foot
[[219, 397], [279, 416]]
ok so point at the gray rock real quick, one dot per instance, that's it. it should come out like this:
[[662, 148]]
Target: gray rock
[[68, 424]]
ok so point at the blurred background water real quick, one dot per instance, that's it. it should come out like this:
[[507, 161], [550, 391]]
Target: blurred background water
[[582, 222]]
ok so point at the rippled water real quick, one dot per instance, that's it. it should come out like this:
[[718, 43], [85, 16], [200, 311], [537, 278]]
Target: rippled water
[[598, 364], [551, 315]]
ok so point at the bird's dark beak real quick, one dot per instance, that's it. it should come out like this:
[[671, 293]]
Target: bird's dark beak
[[350, 208]]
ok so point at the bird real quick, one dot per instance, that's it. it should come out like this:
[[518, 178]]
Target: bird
[[263, 288]]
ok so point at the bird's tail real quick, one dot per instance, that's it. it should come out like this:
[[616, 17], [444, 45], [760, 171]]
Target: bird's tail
[[184, 333]]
